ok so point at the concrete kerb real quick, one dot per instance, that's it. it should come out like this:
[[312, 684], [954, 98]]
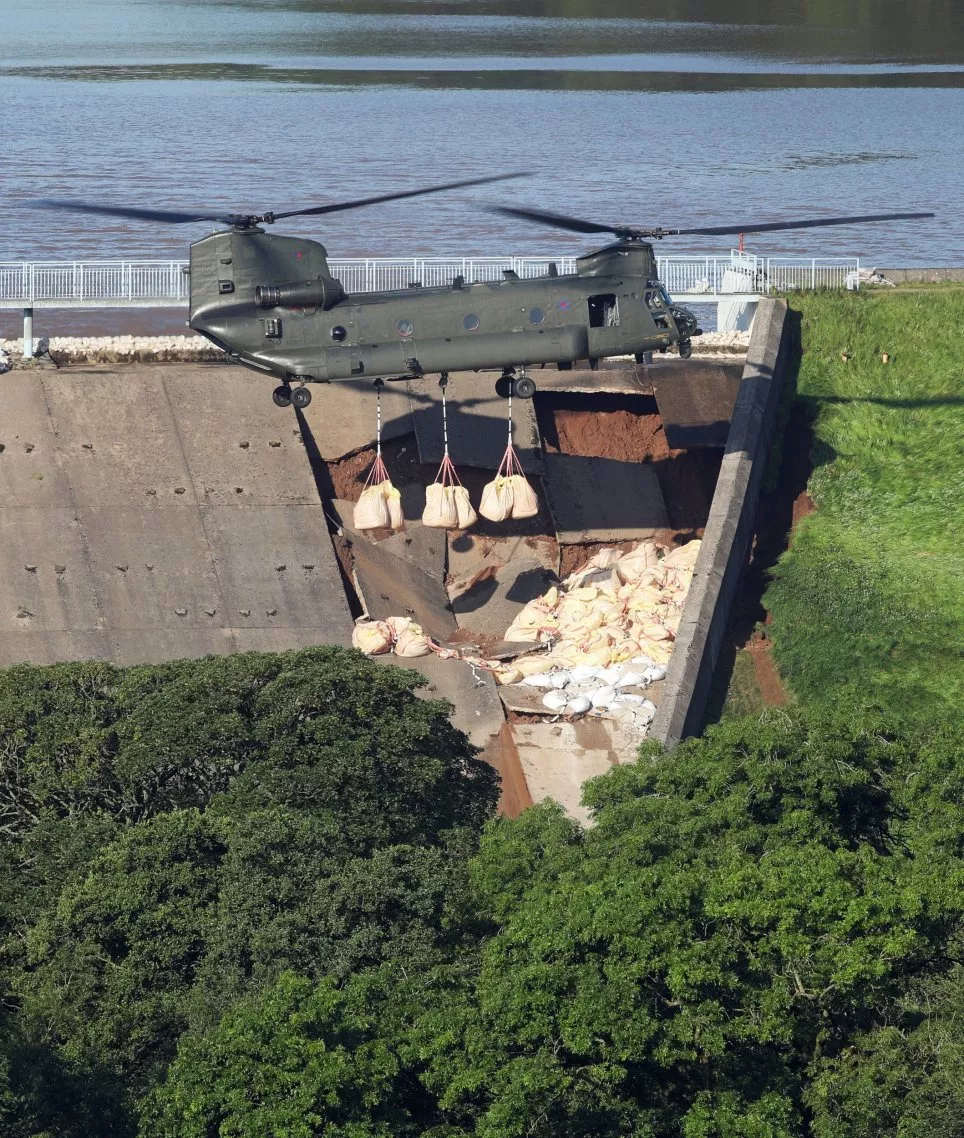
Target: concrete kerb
[[726, 539]]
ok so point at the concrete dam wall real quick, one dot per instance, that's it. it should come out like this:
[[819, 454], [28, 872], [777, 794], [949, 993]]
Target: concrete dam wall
[[157, 512]]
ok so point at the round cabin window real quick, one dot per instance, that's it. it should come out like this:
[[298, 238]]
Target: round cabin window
[[405, 328], [471, 322], [338, 333], [536, 316]]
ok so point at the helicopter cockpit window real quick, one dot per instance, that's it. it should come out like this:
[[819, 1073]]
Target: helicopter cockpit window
[[405, 327], [536, 316], [655, 300], [471, 322], [603, 312]]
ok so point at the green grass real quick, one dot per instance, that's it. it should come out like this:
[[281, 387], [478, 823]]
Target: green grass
[[870, 600]]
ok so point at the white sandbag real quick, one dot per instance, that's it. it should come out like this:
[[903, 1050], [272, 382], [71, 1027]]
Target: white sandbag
[[602, 698], [654, 672], [496, 504], [578, 705], [464, 511], [560, 679], [583, 673], [525, 503], [555, 700], [441, 511], [539, 680], [643, 661], [371, 509], [373, 637], [630, 680]]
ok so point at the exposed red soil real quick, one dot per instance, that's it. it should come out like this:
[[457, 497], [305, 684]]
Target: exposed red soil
[[628, 428], [503, 754], [779, 511]]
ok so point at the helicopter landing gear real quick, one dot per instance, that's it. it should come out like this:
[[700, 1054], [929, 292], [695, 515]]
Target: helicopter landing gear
[[521, 386], [685, 349], [301, 397], [282, 396]]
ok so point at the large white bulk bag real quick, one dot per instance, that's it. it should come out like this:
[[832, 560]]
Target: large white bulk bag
[[464, 511], [441, 511], [496, 504], [371, 509], [525, 503]]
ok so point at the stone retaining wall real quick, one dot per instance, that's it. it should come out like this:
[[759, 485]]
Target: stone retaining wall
[[726, 539]]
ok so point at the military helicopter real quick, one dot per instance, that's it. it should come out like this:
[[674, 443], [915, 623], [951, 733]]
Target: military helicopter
[[271, 303]]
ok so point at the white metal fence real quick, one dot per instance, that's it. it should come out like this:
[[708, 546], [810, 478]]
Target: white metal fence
[[150, 283]]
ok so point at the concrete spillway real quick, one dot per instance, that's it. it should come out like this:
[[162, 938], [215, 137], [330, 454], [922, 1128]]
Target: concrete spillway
[[155, 512]]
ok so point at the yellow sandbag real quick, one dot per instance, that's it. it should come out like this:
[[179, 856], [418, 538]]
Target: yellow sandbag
[[371, 509], [496, 504], [393, 499], [587, 594], [603, 558], [525, 503], [412, 642], [508, 675], [633, 564], [465, 512], [684, 556], [373, 637], [533, 665], [551, 598], [657, 632], [441, 511]]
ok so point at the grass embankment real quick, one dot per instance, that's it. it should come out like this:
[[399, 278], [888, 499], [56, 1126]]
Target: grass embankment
[[870, 599]]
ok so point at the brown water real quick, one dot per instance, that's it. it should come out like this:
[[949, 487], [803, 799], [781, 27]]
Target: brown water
[[665, 114]]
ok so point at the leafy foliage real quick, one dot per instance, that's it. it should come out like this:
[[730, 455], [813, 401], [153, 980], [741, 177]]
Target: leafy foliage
[[739, 910]]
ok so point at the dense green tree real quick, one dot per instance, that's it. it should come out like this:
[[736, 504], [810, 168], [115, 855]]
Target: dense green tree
[[740, 910], [298, 1060]]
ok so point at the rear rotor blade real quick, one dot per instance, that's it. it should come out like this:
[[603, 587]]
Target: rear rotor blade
[[561, 221], [357, 203], [169, 217], [775, 226]]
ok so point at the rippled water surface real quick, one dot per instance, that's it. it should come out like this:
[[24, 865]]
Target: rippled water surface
[[657, 114]]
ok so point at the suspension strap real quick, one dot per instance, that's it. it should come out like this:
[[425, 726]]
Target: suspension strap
[[445, 423], [510, 414], [378, 419]]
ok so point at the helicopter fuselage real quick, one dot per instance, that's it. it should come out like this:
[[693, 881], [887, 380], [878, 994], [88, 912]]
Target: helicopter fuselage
[[272, 304]]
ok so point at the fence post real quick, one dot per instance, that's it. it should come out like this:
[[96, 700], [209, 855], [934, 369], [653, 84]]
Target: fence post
[[28, 333]]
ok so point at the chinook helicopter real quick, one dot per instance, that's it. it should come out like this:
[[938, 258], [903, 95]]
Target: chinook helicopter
[[271, 303]]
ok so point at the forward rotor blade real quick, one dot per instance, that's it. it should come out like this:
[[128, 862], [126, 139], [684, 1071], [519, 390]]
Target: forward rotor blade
[[560, 220], [357, 203], [169, 217], [775, 226]]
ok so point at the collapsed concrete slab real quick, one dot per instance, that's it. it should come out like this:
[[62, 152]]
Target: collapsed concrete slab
[[696, 407], [601, 499], [402, 574], [489, 602], [477, 423]]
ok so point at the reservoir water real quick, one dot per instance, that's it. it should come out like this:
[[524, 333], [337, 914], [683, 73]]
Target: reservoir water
[[664, 114]]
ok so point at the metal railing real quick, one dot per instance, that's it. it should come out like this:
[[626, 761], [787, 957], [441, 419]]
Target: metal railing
[[149, 283]]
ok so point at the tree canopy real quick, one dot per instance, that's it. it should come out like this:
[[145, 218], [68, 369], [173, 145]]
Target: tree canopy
[[289, 911]]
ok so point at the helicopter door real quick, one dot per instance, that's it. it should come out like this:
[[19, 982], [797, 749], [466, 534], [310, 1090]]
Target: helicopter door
[[606, 335]]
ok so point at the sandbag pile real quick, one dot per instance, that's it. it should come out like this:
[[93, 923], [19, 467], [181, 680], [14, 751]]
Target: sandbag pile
[[398, 634], [616, 609]]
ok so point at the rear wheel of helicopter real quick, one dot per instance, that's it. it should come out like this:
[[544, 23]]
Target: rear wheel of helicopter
[[301, 397], [281, 396]]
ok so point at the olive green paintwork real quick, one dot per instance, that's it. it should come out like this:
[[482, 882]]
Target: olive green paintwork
[[271, 302]]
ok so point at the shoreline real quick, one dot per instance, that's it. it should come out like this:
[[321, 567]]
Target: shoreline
[[195, 349]]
